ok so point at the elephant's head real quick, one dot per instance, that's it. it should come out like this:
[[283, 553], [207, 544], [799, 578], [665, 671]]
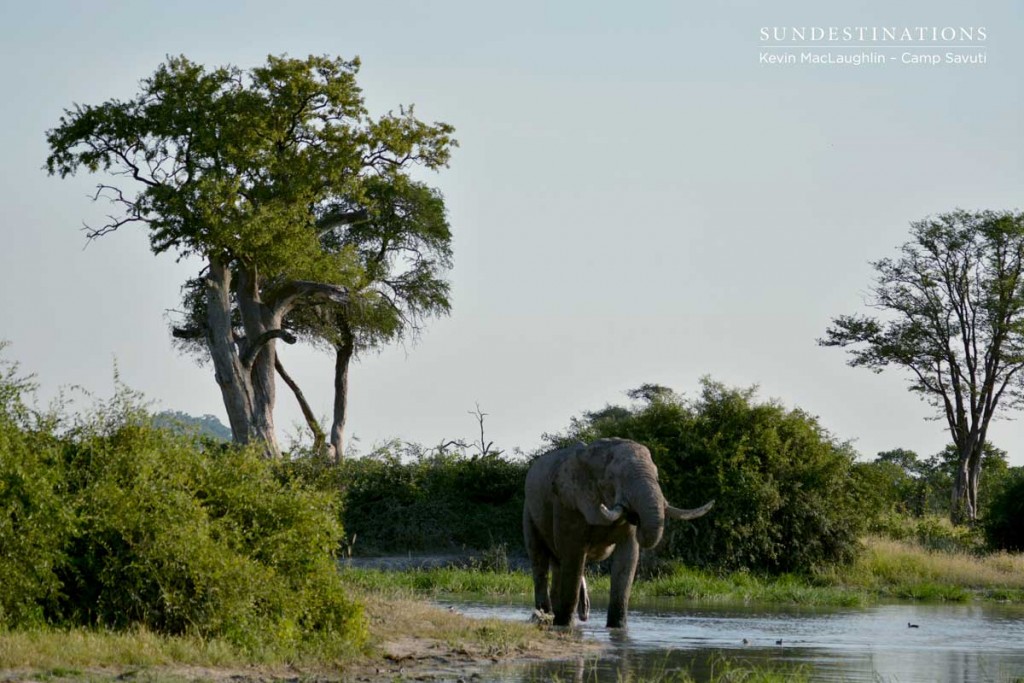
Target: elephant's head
[[615, 479]]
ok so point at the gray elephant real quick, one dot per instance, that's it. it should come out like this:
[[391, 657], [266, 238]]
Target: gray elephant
[[584, 503]]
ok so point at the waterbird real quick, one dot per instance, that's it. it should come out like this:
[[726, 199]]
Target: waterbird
[[779, 641], [909, 625]]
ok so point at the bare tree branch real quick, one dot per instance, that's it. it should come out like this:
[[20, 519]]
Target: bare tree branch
[[319, 438]]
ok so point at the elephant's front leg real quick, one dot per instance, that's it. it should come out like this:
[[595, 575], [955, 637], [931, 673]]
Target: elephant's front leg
[[568, 579], [540, 563], [624, 561]]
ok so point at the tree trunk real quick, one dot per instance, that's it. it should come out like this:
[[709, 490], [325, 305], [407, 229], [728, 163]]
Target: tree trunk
[[258, 356], [244, 372], [342, 360], [960, 503], [974, 481], [232, 378], [262, 373], [964, 500]]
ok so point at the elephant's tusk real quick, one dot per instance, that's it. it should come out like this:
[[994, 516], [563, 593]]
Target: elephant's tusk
[[612, 515], [677, 513]]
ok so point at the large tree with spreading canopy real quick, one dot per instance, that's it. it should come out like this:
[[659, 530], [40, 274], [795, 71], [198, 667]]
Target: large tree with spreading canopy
[[262, 175], [951, 310]]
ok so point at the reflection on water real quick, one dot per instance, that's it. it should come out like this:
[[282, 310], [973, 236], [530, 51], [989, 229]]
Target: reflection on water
[[962, 643]]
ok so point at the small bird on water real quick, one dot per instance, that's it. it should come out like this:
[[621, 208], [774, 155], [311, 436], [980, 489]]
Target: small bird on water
[[909, 625]]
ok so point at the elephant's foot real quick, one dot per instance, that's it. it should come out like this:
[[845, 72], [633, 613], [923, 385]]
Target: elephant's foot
[[562, 618], [541, 617], [616, 618]]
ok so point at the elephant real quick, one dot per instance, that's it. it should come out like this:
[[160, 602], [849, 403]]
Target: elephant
[[586, 503]]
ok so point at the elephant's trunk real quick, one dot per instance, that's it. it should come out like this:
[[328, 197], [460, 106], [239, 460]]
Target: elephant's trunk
[[644, 498]]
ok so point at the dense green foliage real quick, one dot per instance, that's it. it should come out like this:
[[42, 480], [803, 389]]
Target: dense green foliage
[[402, 499], [110, 521], [35, 523], [785, 496], [1004, 522]]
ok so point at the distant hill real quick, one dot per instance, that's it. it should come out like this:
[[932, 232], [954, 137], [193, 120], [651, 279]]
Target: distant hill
[[207, 425]]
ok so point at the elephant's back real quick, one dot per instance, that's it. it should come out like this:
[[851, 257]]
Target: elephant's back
[[543, 468], [540, 480]]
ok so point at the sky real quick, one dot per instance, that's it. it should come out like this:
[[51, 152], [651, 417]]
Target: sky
[[636, 198]]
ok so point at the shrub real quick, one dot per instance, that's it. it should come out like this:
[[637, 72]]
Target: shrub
[[34, 519], [120, 524], [1004, 521], [406, 500], [785, 497], [180, 539]]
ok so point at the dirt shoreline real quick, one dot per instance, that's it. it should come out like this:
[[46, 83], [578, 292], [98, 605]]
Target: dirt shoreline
[[411, 639], [439, 644], [402, 657]]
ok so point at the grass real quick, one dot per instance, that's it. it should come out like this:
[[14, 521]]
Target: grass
[[80, 649], [439, 581], [404, 633], [886, 570], [902, 570]]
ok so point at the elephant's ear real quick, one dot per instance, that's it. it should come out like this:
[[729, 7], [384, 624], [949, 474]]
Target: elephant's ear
[[580, 489]]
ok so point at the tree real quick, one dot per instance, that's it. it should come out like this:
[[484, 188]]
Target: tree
[[403, 247], [953, 306], [941, 470], [249, 171], [901, 457], [892, 480]]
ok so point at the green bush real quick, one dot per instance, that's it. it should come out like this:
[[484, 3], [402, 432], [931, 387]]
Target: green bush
[[184, 539], [35, 521], [120, 524], [400, 500], [1004, 521], [786, 500]]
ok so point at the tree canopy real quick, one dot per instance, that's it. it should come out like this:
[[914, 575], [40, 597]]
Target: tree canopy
[[266, 175], [951, 310]]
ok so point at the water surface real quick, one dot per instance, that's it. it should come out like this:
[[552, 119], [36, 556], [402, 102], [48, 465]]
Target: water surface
[[956, 643]]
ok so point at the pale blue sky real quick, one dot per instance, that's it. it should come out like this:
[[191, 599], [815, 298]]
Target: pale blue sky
[[635, 199]]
